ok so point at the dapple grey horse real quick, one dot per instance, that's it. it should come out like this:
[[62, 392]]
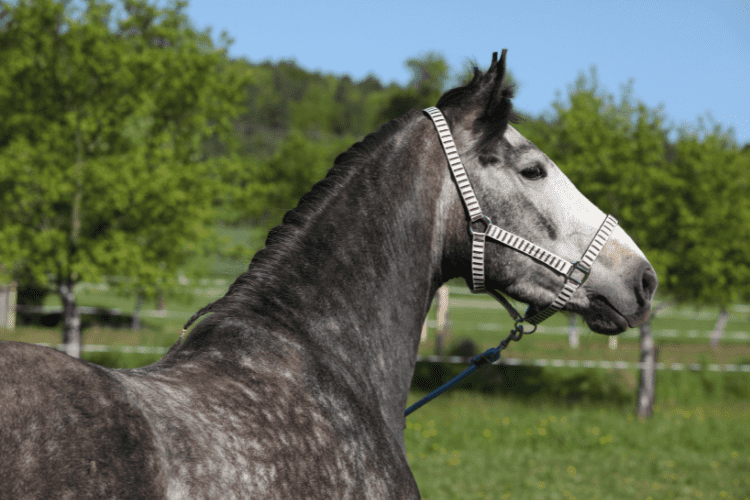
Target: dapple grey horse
[[295, 385]]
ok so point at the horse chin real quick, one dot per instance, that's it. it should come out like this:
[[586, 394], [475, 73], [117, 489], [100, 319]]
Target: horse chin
[[603, 318]]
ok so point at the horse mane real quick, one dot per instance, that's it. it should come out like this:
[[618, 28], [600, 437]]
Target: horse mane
[[287, 237], [487, 91]]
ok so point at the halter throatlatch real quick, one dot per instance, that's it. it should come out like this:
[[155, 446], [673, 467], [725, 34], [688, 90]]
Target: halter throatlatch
[[575, 273]]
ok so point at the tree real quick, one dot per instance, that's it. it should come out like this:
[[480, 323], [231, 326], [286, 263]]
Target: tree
[[713, 223], [101, 144], [429, 74]]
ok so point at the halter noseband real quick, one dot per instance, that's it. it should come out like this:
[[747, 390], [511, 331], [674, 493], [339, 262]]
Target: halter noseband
[[581, 267]]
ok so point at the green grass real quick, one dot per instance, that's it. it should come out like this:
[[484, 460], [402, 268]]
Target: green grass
[[467, 445]]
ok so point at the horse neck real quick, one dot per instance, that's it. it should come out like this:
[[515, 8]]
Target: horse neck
[[361, 273]]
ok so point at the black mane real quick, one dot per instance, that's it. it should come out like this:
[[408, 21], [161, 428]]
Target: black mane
[[286, 238]]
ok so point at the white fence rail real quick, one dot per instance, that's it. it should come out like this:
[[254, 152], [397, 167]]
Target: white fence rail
[[218, 287], [553, 363]]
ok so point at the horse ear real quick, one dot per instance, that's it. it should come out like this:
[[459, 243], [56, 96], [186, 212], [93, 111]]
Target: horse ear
[[497, 108]]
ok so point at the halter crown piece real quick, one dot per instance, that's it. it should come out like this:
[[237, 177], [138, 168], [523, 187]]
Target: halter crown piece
[[575, 273]]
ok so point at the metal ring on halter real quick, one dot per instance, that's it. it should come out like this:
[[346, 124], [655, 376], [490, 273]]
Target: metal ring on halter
[[577, 266], [485, 220], [519, 328]]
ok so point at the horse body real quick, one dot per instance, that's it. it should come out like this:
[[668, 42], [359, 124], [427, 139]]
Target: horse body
[[295, 386], [289, 393], [272, 422]]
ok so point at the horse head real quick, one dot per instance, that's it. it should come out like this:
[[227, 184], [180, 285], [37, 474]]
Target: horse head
[[522, 191]]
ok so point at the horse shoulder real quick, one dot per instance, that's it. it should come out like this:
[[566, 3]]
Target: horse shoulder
[[271, 419], [67, 428]]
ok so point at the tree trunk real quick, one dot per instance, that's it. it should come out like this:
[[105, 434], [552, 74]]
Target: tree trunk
[[71, 320], [71, 314], [8, 306], [647, 385], [573, 330], [721, 324]]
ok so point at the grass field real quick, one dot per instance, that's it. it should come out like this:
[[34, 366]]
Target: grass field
[[473, 446]]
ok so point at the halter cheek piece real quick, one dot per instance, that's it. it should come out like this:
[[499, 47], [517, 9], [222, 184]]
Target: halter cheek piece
[[575, 273], [581, 268]]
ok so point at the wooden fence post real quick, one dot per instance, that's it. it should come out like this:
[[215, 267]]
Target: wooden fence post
[[443, 296], [8, 294], [647, 384], [721, 324], [573, 331], [649, 357]]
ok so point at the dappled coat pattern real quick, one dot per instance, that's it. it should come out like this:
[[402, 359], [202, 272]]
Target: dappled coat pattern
[[295, 385]]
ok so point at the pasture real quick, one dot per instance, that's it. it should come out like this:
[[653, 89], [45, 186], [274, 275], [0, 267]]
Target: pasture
[[537, 442], [469, 445]]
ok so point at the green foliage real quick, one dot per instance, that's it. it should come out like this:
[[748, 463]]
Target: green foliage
[[284, 97], [429, 75], [711, 225], [264, 189], [101, 142]]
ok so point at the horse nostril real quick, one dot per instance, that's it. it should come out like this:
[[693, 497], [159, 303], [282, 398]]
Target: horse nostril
[[649, 282]]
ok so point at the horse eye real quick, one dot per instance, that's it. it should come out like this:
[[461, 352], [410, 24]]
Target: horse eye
[[534, 172]]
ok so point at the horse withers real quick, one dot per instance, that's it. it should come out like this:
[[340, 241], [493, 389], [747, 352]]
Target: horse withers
[[295, 385]]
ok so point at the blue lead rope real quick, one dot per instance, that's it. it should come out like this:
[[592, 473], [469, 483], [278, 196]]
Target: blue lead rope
[[487, 357]]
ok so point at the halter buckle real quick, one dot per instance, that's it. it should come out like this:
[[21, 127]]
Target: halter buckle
[[577, 266]]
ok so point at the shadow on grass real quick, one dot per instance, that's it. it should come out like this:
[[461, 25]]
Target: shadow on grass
[[528, 381], [574, 385]]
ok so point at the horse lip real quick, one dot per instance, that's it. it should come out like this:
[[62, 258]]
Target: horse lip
[[633, 320], [639, 318]]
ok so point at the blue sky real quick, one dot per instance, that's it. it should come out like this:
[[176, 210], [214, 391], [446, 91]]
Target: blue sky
[[691, 56]]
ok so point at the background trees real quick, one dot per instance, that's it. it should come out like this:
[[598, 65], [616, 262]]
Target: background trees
[[126, 137], [105, 115]]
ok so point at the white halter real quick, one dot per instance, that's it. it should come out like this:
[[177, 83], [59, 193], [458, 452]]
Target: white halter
[[496, 233]]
